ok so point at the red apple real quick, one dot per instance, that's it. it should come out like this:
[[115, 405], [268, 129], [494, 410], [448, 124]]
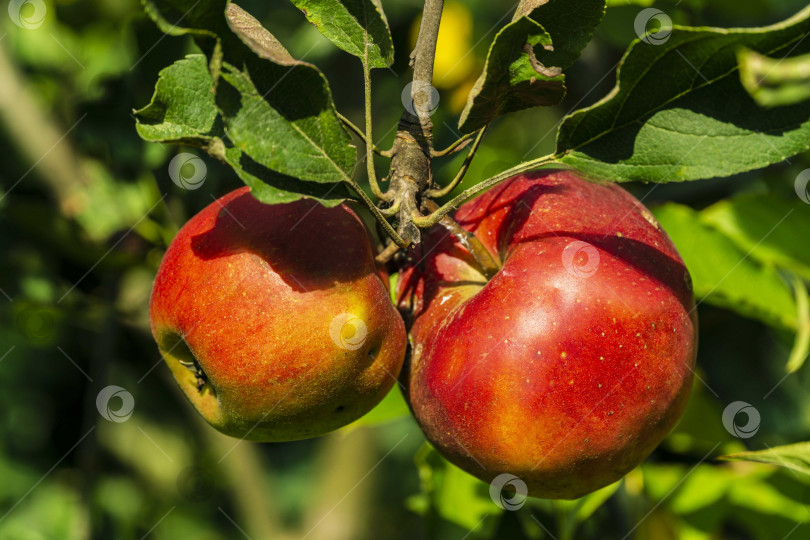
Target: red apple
[[274, 320], [575, 360]]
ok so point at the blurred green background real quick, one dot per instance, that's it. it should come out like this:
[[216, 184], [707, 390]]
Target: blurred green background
[[87, 210]]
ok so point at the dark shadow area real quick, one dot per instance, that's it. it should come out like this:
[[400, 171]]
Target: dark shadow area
[[311, 247]]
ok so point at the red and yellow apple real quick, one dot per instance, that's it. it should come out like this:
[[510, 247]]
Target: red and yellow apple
[[274, 320], [571, 364]]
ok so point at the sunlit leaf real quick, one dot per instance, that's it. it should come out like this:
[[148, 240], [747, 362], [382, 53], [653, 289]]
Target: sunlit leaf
[[801, 347], [679, 111], [774, 82], [722, 273], [359, 27], [795, 457], [525, 61]]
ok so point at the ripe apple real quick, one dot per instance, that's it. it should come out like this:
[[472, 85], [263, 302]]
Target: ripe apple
[[571, 364], [274, 320]]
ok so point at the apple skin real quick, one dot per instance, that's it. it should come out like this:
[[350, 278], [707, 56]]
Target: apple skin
[[565, 379], [250, 292]]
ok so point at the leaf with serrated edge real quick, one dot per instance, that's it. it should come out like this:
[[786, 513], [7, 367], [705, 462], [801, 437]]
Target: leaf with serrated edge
[[792, 456], [570, 24], [202, 19], [359, 27], [182, 108], [513, 77], [525, 61], [183, 111], [312, 146], [271, 187], [280, 111], [679, 111]]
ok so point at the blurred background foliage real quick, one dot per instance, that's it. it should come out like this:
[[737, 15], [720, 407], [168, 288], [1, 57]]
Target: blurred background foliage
[[87, 209]]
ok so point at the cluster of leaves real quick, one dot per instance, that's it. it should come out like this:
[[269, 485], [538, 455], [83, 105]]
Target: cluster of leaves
[[680, 109]]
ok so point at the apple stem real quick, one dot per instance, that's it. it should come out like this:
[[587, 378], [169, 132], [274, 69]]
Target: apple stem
[[386, 254], [487, 264]]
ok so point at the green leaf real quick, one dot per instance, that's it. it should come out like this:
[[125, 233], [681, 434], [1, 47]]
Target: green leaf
[[775, 81], [513, 78], [292, 131], [795, 457], [271, 187], [723, 274], [772, 229], [359, 27], [182, 109], [584, 507], [454, 496], [801, 348], [578, 511], [525, 61], [280, 111], [183, 17], [571, 27], [204, 20], [282, 139], [679, 111]]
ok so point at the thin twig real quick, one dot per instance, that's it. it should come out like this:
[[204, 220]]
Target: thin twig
[[441, 192], [438, 214], [372, 173], [359, 132], [460, 144], [393, 209]]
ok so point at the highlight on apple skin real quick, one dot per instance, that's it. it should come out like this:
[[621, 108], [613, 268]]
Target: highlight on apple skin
[[274, 320], [571, 364]]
